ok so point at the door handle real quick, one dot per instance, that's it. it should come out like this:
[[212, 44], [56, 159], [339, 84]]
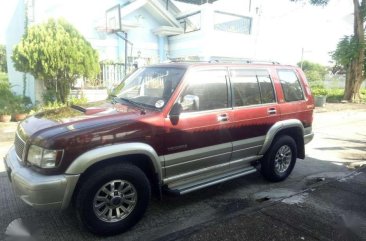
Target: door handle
[[222, 117], [272, 111]]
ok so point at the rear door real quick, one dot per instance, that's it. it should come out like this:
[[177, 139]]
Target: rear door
[[199, 141], [255, 111]]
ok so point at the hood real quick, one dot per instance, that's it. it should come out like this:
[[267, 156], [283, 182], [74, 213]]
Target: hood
[[76, 118]]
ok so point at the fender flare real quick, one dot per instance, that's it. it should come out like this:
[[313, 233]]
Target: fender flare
[[279, 126], [89, 158]]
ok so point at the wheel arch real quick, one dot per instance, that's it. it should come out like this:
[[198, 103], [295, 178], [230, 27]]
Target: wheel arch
[[292, 128], [138, 154]]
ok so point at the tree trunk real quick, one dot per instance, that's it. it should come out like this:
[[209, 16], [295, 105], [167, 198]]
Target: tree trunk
[[355, 74]]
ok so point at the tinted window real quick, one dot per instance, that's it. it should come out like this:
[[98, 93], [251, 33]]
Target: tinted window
[[290, 85], [266, 86], [151, 86], [211, 89], [252, 87]]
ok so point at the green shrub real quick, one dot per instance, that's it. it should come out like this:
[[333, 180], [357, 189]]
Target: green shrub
[[6, 98], [49, 97], [21, 104], [335, 95], [3, 76], [316, 84], [319, 91], [78, 101], [363, 95]]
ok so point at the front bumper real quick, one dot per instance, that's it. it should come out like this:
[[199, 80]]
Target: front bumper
[[37, 190]]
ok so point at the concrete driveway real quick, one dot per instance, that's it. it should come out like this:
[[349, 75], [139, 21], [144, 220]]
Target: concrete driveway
[[323, 199]]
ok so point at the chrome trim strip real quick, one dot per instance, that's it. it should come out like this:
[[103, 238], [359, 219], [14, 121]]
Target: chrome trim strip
[[246, 159], [207, 184], [195, 160], [203, 112], [248, 143], [196, 154], [248, 148], [189, 174], [207, 169]]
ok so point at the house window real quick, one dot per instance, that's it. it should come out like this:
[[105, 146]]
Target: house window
[[233, 23], [191, 22]]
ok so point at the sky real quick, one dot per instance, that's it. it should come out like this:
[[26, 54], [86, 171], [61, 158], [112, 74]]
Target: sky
[[284, 28]]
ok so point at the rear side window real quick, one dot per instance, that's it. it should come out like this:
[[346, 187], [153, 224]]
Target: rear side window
[[290, 85], [251, 87]]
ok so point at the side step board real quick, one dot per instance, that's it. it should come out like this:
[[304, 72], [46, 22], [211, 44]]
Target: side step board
[[206, 183]]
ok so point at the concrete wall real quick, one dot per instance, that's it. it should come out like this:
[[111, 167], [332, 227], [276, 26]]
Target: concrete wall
[[14, 33]]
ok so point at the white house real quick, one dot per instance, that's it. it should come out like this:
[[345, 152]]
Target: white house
[[155, 30]]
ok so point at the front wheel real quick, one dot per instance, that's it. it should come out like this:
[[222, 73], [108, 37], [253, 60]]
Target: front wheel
[[280, 159], [113, 199]]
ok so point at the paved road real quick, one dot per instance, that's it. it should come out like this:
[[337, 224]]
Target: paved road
[[312, 204]]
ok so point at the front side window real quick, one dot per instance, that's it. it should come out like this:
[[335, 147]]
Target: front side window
[[252, 87], [151, 87], [207, 89], [290, 85]]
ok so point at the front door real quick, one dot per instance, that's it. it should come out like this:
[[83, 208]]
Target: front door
[[199, 140]]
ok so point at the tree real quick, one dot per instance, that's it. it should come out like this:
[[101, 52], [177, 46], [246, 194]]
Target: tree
[[314, 72], [353, 49], [3, 67], [57, 54]]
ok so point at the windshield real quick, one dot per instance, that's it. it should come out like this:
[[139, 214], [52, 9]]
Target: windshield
[[151, 87]]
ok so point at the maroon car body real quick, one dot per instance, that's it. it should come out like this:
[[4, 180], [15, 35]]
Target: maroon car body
[[196, 124]]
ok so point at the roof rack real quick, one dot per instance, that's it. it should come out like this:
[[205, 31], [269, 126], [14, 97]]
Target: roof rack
[[230, 61], [244, 61]]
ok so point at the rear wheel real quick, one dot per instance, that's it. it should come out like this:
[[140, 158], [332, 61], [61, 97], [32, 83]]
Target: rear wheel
[[279, 161], [113, 199]]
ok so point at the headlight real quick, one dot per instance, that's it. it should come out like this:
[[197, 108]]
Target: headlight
[[44, 158]]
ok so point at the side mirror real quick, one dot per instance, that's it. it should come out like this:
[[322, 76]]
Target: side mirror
[[190, 102], [176, 110]]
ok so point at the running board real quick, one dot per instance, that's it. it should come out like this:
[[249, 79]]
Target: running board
[[207, 183]]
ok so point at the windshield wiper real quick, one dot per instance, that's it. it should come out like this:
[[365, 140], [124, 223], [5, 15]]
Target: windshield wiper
[[138, 104]]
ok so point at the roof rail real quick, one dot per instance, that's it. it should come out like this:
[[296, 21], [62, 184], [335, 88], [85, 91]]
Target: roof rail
[[230, 61], [243, 61]]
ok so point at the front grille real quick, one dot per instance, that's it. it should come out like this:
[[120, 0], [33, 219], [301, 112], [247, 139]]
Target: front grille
[[19, 147]]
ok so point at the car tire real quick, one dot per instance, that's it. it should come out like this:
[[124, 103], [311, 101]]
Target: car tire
[[279, 161], [113, 199]]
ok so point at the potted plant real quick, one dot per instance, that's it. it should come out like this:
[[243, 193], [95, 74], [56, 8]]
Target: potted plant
[[21, 107], [5, 112], [320, 96]]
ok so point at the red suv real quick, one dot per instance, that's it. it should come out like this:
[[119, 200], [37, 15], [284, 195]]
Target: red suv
[[176, 127]]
